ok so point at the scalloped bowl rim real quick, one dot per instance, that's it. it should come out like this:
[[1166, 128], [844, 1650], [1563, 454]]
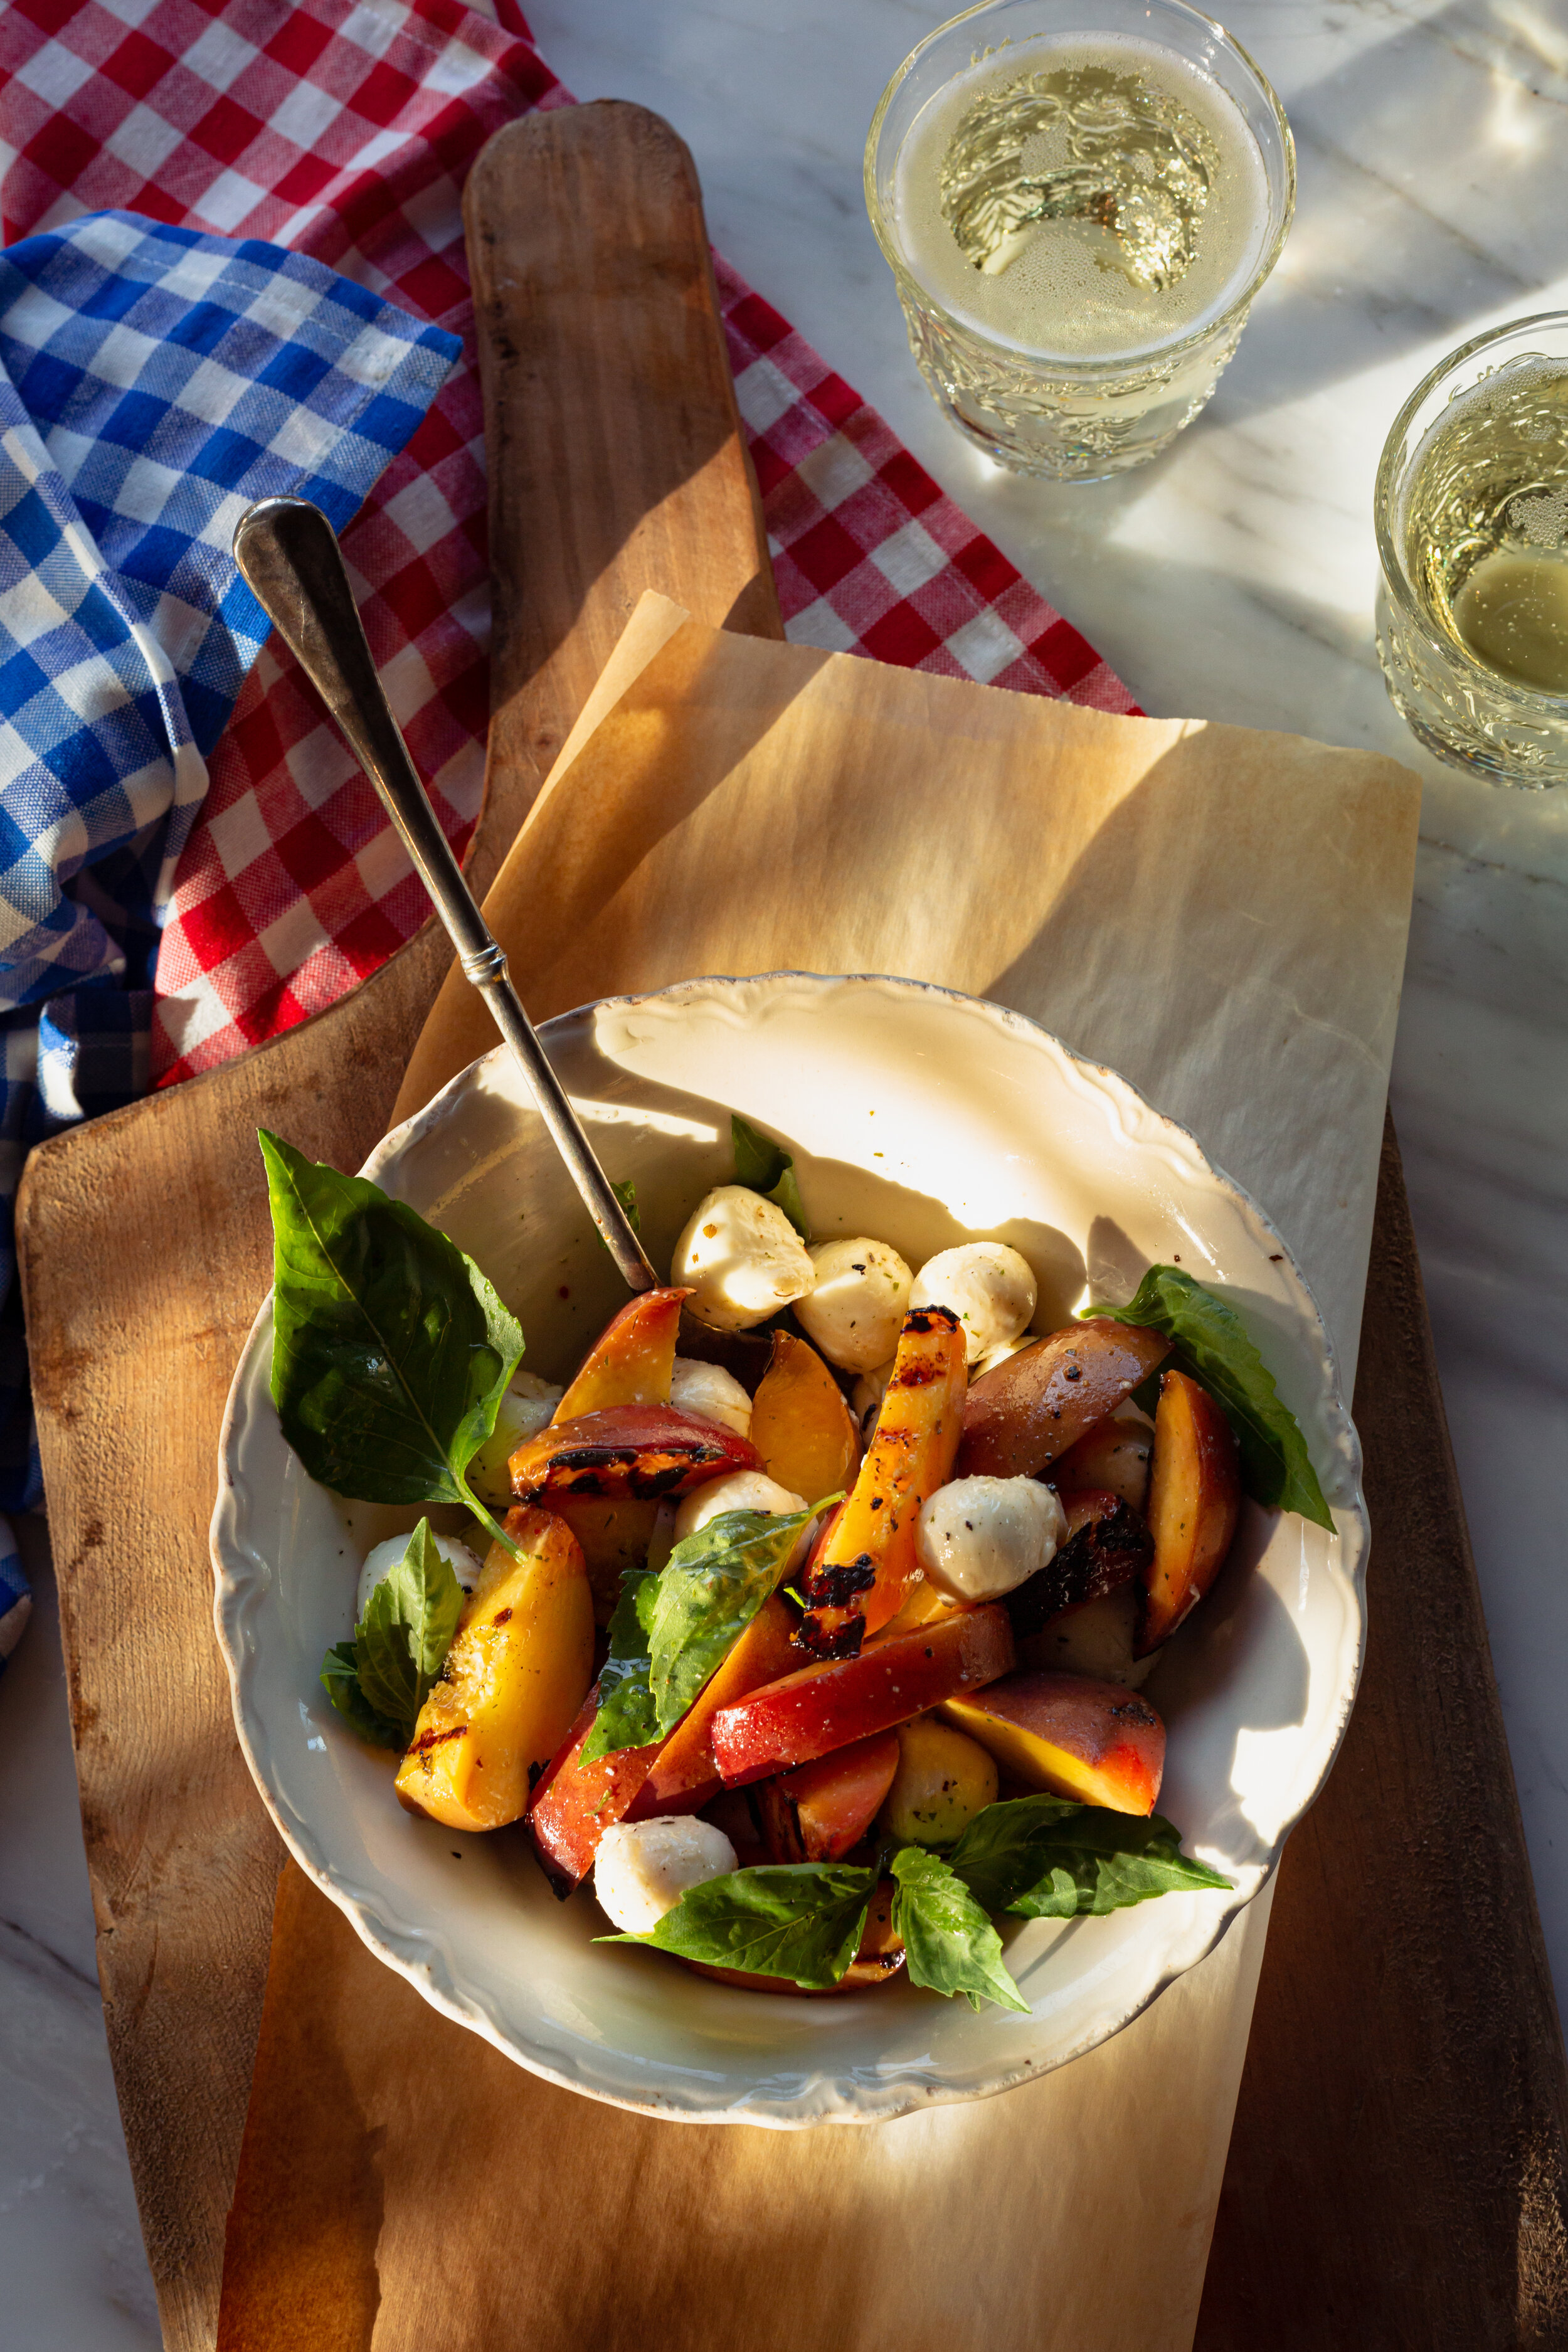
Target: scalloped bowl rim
[[420, 1955]]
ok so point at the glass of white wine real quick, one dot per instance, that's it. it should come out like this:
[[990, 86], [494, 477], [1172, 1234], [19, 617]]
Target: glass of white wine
[[1079, 199], [1472, 529]]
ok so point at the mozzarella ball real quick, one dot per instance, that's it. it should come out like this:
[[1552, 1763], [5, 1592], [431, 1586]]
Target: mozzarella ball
[[742, 1490], [527, 1407], [979, 1537], [866, 1398], [990, 1288], [643, 1868], [856, 1307], [742, 1260], [943, 1779], [708, 1392], [384, 1557]]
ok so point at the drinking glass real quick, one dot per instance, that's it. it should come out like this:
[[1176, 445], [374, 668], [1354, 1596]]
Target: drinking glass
[[1077, 415], [1475, 470]]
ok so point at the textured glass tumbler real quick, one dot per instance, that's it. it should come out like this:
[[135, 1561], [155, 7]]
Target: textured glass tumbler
[[1459, 707], [1078, 418]]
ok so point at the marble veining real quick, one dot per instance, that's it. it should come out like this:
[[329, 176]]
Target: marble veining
[[1234, 579]]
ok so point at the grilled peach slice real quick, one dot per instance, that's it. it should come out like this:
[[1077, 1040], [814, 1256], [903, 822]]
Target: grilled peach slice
[[923, 1602], [1106, 1544], [824, 1707], [574, 1803], [614, 1536], [818, 1813], [1097, 1742], [632, 1361], [801, 1426], [864, 1561], [514, 1677], [1112, 1457], [1099, 1639], [684, 1775], [1028, 1411], [644, 1452], [1194, 1501]]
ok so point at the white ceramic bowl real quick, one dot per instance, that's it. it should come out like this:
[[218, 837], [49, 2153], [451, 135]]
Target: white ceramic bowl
[[923, 1117]]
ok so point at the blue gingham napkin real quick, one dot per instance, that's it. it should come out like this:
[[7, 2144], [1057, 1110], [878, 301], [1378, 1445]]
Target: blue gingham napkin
[[152, 384]]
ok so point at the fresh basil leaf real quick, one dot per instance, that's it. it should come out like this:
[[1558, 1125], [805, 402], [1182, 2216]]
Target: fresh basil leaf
[[798, 1919], [380, 1680], [1100, 1861], [762, 1166], [340, 1679], [1056, 1897], [627, 1194], [401, 1641], [949, 1945], [786, 1193], [626, 1716], [711, 1587], [1006, 1847], [1275, 1468], [759, 1160], [390, 1350], [1048, 1858]]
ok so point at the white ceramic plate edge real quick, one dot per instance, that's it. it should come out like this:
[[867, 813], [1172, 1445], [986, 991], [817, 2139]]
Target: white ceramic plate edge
[[422, 1959]]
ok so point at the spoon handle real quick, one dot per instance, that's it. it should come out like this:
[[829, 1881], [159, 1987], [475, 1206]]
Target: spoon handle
[[289, 557]]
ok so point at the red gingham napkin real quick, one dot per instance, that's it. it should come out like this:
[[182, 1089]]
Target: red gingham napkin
[[345, 129]]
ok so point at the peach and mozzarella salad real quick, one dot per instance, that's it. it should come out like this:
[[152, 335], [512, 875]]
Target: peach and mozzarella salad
[[810, 1634]]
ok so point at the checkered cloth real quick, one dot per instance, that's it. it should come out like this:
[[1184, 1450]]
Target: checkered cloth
[[153, 382], [344, 129]]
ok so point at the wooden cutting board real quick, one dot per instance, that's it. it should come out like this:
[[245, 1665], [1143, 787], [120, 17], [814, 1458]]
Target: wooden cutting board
[[617, 457]]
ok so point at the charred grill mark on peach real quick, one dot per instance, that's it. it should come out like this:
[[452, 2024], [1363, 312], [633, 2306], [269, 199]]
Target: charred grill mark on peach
[[834, 1586], [841, 1642], [429, 1739], [1111, 1547]]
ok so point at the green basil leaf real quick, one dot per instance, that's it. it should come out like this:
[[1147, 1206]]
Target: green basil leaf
[[762, 1166], [759, 1160], [401, 1641], [1006, 1847], [786, 1193], [626, 1716], [949, 1945], [798, 1919], [1108, 1861], [627, 1194], [1056, 1897], [340, 1679], [711, 1587], [380, 1680], [390, 1350], [1275, 1468]]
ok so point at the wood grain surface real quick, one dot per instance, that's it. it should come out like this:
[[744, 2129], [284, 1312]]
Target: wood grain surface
[[136, 1316], [1397, 2167]]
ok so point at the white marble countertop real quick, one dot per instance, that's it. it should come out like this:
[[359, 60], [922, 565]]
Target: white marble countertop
[[1234, 579]]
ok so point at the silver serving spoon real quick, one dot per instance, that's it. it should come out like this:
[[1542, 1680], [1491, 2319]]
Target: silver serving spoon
[[289, 557]]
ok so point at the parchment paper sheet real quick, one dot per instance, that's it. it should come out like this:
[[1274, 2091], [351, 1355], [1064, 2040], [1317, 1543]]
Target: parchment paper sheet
[[1221, 915]]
